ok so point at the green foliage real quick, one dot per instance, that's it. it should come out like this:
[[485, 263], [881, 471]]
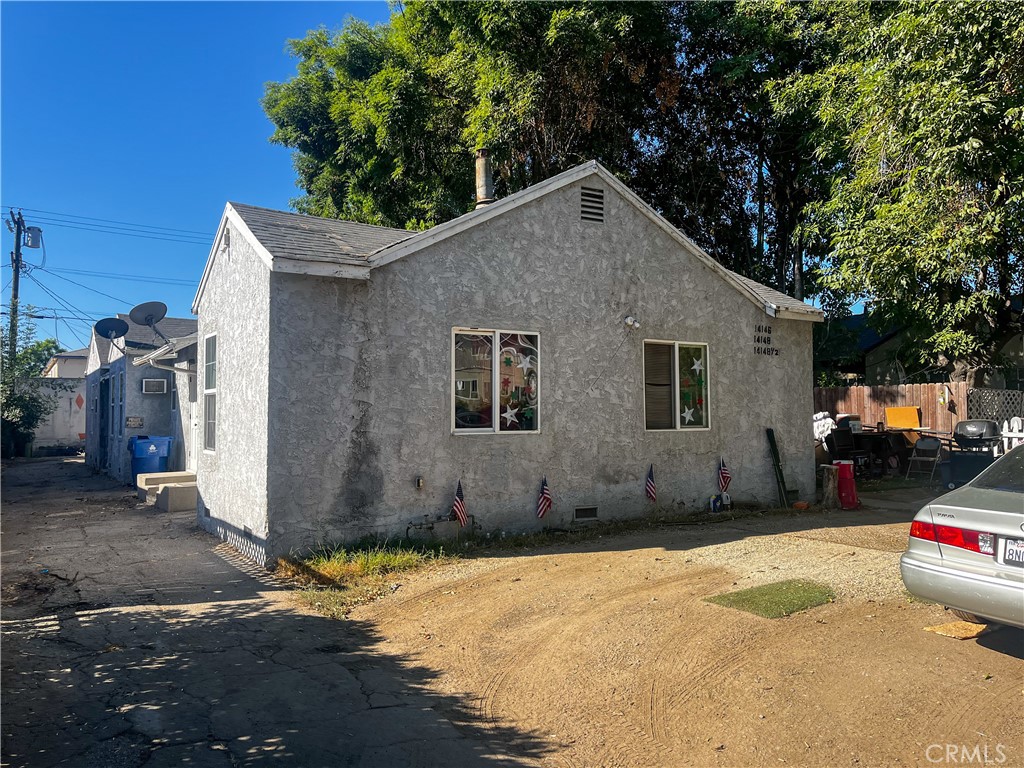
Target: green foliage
[[385, 119], [920, 115], [23, 405]]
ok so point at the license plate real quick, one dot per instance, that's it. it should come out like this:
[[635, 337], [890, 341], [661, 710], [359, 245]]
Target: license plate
[[1013, 552]]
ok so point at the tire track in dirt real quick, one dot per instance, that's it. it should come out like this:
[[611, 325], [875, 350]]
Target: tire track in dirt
[[518, 684]]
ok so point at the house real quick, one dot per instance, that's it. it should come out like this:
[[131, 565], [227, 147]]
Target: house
[[67, 365], [351, 375], [63, 430], [875, 357], [124, 400]]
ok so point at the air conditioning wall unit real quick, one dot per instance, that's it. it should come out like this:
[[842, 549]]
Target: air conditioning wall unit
[[154, 386]]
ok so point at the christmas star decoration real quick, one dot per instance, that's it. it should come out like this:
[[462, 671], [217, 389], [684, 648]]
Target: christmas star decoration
[[510, 415], [688, 414], [524, 363], [698, 365]]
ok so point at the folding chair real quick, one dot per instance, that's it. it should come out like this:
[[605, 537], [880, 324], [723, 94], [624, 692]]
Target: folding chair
[[926, 450]]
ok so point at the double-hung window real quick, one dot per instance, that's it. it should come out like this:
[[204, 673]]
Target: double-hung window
[[120, 405], [495, 381], [676, 385], [210, 394]]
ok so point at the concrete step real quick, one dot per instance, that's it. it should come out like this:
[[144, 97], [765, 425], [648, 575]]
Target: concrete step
[[177, 497], [148, 482]]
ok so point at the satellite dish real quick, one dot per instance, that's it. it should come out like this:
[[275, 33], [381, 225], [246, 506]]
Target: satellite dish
[[150, 313], [111, 328]]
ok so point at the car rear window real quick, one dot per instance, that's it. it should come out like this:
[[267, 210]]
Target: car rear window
[[1007, 474]]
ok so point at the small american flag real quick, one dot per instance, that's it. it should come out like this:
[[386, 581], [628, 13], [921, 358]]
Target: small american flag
[[544, 502], [724, 478], [459, 507], [652, 492]]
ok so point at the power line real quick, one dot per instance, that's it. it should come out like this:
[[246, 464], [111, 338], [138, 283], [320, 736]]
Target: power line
[[68, 306], [82, 316], [96, 314], [81, 285], [109, 221], [128, 234], [130, 278]]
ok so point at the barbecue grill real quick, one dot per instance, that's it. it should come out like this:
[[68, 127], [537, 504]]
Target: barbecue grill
[[976, 434]]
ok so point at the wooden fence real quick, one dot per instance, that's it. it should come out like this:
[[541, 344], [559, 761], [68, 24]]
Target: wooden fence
[[871, 402]]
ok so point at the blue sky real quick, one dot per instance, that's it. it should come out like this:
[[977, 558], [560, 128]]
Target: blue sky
[[141, 114]]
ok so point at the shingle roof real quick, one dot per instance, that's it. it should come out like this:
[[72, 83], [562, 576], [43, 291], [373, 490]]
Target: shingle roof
[[310, 238], [83, 352], [775, 298], [141, 337]]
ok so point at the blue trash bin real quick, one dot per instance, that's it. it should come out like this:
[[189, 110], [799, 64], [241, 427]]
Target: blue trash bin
[[149, 454]]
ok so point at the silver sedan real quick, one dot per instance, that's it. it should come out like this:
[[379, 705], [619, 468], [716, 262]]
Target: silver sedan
[[966, 548]]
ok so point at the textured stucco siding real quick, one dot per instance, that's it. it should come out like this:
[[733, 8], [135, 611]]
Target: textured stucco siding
[[323, 453], [350, 437], [155, 411], [232, 480]]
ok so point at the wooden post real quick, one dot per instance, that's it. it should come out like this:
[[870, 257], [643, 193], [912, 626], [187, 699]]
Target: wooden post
[[830, 487]]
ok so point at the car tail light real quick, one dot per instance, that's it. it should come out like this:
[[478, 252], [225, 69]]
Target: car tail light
[[922, 530], [972, 541]]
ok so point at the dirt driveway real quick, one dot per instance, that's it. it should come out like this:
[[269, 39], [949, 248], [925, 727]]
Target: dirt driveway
[[601, 653]]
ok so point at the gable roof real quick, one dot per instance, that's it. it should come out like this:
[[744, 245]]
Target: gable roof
[[140, 337], [311, 245], [311, 238]]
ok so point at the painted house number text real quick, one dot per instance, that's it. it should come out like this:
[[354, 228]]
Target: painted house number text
[[763, 341]]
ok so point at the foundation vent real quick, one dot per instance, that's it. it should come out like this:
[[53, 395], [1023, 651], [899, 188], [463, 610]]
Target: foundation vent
[[592, 204], [585, 513]]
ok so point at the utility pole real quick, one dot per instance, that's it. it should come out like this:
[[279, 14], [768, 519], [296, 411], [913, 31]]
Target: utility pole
[[17, 226]]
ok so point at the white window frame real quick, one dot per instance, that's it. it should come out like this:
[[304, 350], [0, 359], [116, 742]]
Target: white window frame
[[495, 380], [675, 383], [174, 392], [208, 391], [120, 403]]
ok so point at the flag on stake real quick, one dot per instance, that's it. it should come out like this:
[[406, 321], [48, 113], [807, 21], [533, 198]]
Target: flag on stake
[[544, 501], [724, 478], [652, 492], [459, 507]]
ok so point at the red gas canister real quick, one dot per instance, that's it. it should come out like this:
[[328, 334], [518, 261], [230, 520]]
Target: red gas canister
[[847, 486]]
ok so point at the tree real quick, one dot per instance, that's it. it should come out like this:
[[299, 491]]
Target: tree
[[921, 113], [385, 119], [23, 405]]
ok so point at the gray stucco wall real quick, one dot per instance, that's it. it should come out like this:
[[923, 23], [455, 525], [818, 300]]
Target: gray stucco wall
[[232, 479], [361, 380], [155, 411]]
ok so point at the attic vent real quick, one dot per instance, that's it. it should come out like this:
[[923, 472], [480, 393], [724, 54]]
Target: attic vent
[[585, 513], [592, 204], [154, 386]]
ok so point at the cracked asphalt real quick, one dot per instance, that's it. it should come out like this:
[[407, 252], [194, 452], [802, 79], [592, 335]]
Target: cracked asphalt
[[131, 638]]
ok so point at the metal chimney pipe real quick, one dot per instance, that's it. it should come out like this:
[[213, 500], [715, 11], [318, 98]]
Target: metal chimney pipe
[[484, 179]]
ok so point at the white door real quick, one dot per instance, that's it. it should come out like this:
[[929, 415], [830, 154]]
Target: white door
[[193, 443]]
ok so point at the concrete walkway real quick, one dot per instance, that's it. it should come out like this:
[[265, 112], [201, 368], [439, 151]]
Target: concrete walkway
[[131, 638]]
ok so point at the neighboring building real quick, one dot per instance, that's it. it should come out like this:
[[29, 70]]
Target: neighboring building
[[63, 431], [882, 357], [124, 400], [67, 365], [351, 375]]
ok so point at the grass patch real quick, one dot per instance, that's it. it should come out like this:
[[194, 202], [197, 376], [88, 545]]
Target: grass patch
[[776, 600], [333, 581]]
